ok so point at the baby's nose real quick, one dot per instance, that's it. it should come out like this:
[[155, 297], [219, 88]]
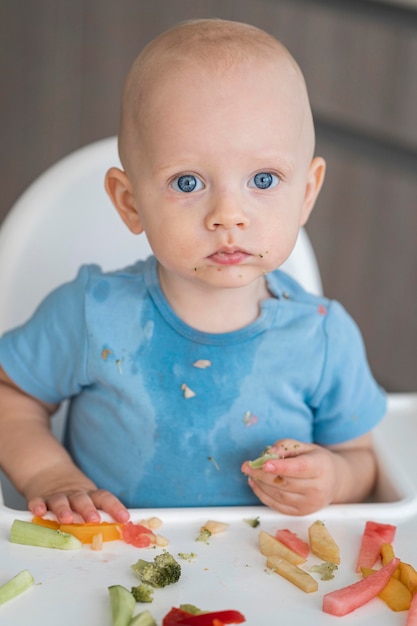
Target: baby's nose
[[227, 212]]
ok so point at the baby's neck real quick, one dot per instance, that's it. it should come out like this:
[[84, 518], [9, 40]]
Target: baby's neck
[[217, 310]]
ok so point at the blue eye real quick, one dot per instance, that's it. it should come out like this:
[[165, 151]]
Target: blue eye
[[264, 180], [187, 183]]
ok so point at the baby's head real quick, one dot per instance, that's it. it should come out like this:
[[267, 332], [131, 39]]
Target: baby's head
[[206, 50], [216, 135]]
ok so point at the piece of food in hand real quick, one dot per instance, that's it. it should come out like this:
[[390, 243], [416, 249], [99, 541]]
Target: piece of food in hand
[[162, 571], [395, 594], [122, 605], [322, 543], [15, 586], [267, 455], [179, 617], [33, 535], [374, 535], [347, 599], [292, 541], [292, 573], [270, 546]]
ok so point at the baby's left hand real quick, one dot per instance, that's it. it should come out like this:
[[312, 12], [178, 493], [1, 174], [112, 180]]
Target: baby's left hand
[[302, 480]]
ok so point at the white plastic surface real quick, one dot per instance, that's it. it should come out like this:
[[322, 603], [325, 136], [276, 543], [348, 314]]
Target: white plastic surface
[[229, 572]]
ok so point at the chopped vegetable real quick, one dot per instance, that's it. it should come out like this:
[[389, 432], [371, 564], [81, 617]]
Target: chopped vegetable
[[325, 570], [214, 527], [322, 543], [85, 532], [142, 593], [345, 600], [374, 535], [270, 546], [179, 617], [204, 535], [254, 522], [162, 571], [122, 605], [33, 535], [292, 541], [15, 586], [143, 619], [395, 594], [292, 573], [187, 556]]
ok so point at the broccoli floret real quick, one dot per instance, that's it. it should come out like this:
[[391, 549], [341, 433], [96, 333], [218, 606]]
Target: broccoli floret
[[162, 571], [142, 593], [325, 570], [204, 535]]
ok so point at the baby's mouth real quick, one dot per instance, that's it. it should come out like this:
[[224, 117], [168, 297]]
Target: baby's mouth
[[229, 256]]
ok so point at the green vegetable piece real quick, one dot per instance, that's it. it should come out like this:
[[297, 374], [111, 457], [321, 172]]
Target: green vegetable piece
[[254, 523], [325, 570], [259, 462], [143, 593], [191, 608], [204, 535], [143, 619], [122, 605], [33, 535], [187, 556], [15, 586], [162, 571]]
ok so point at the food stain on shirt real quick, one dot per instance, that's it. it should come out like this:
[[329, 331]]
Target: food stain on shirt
[[249, 419], [188, 393]]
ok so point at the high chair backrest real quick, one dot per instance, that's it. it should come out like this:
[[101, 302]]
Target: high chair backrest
[[65, 219]]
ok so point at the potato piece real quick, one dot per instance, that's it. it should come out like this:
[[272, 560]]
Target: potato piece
[[215, 527], [292, 573], [395, 594], [408, 576], [322, 543], [270, 546]]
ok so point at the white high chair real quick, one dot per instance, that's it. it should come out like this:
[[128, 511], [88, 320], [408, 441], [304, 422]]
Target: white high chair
[[65, 219]]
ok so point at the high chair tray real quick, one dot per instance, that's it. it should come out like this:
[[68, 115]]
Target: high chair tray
[[228, 572]]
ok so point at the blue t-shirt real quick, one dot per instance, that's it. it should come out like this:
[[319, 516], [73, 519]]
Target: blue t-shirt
[[162, 414]]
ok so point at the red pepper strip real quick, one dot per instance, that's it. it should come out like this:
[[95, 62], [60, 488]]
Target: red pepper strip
[[178, 617]]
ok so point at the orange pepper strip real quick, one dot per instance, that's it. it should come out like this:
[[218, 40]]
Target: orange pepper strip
[[49, 523], [110, 531]]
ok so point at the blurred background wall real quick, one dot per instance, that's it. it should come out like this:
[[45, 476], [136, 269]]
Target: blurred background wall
[[62, 66]]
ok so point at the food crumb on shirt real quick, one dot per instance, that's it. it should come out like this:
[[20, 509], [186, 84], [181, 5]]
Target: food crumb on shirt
[[249, 419], [202, 363], [105, 353], [216, 465], [188, 393], [322, 310]]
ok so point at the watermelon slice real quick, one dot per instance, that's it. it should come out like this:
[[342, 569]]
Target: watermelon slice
[[374, 535], [292, 541], [345, 600]]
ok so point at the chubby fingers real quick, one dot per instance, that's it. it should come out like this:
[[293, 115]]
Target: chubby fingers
[[292, 461], [80, 506]]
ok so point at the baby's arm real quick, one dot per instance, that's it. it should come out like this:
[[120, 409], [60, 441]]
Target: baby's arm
[[307, 477], [40, 467]]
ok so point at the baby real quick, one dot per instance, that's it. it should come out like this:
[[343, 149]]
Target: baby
[[182, 367]]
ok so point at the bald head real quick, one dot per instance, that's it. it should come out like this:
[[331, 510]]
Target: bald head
[[205, 47]]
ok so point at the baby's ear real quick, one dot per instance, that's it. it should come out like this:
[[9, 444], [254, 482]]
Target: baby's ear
[[120, 190], [315, 178]]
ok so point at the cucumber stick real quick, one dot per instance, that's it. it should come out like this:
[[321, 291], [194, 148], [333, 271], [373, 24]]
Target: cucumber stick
[[34, 535], [122, 605], [15, 586]]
